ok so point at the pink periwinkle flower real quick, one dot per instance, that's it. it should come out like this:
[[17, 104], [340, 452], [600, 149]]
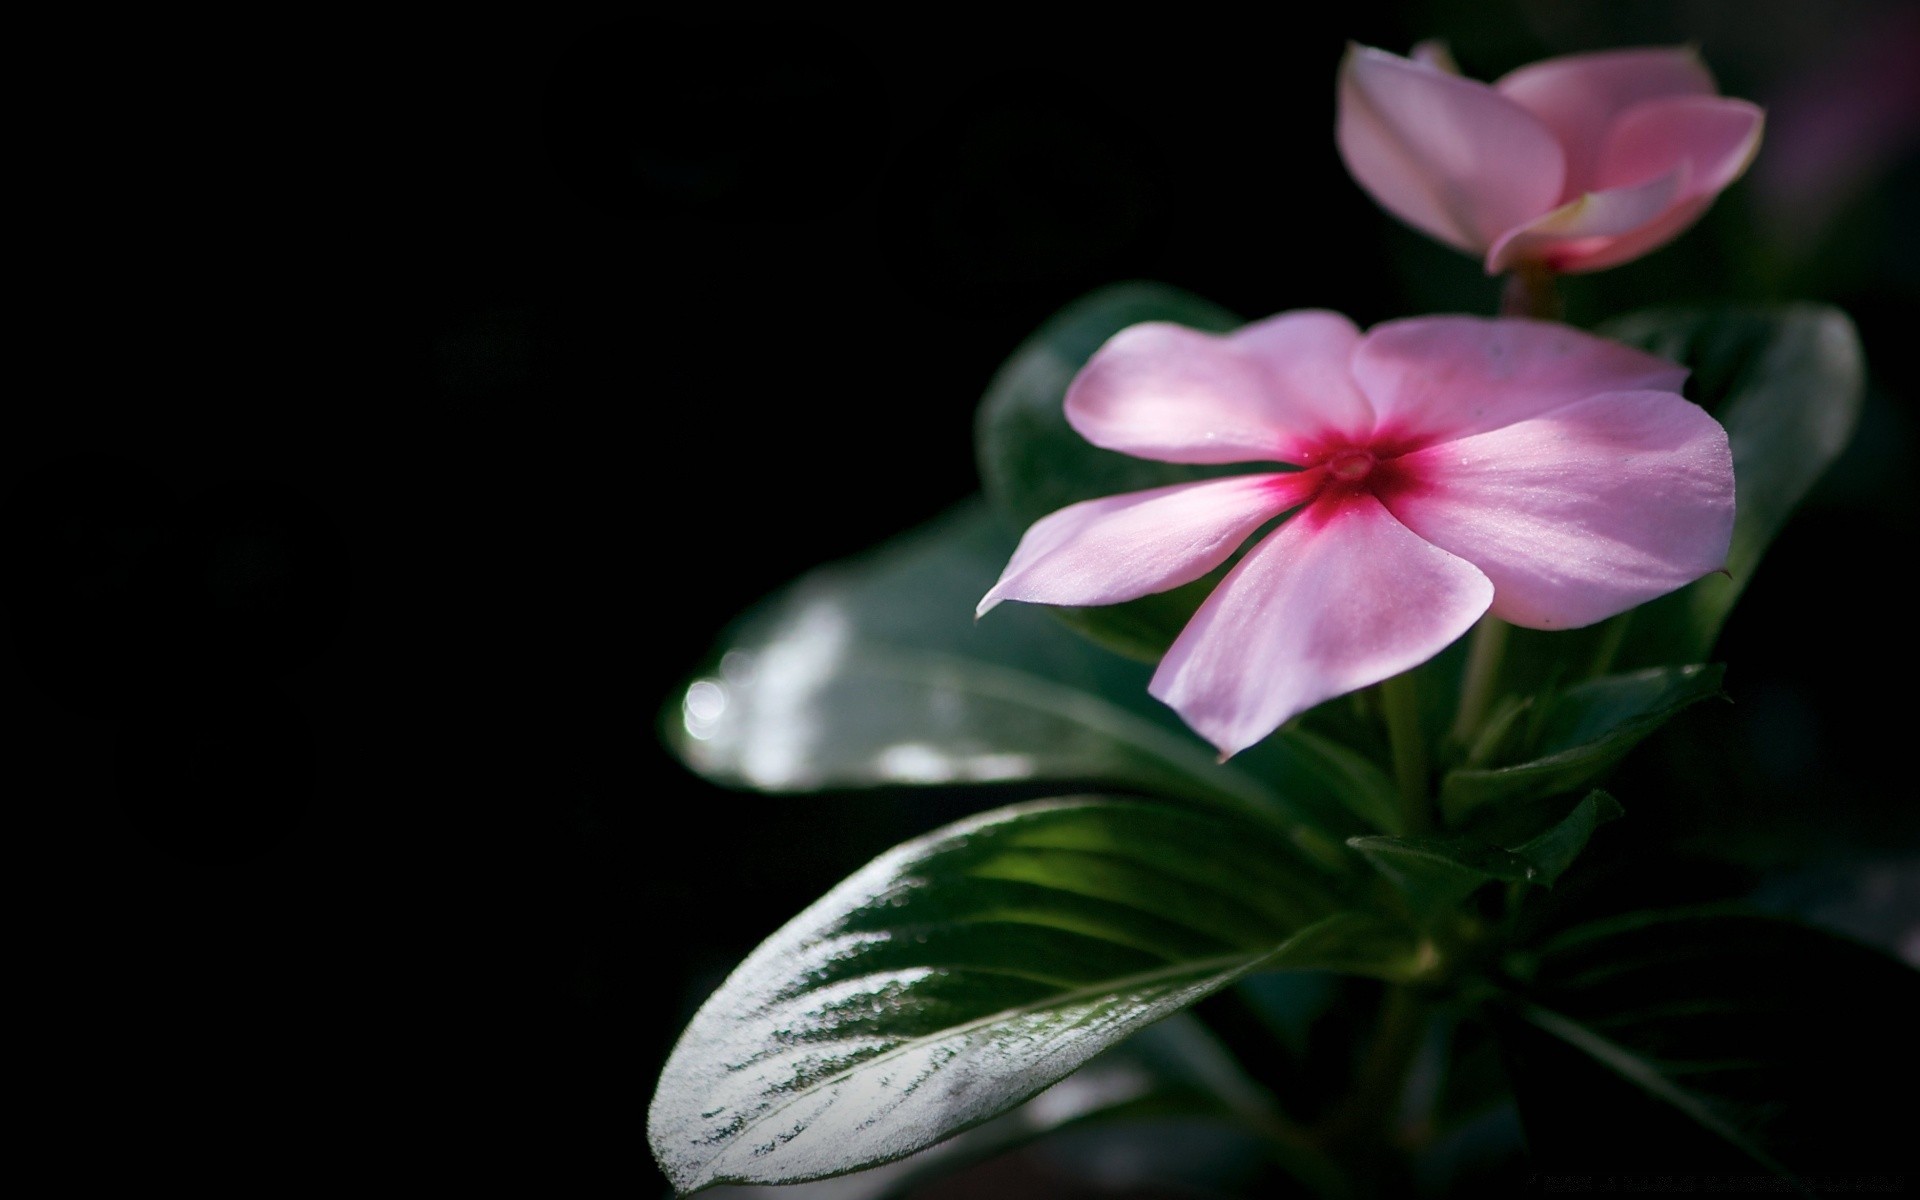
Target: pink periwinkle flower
[[1446, 467], [1569, 164]]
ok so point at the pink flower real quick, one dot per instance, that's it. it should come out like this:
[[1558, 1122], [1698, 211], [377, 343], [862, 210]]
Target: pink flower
[[1571, 164], [1448, 467]]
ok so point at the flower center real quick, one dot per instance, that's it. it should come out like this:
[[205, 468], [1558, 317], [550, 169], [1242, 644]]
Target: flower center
[[1350, 466]]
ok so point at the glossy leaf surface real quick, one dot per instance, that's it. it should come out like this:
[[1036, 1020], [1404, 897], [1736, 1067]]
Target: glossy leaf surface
[[1172, 1068], [961, 973], [874, 672]]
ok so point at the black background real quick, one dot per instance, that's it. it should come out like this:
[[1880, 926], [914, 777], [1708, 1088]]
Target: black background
[[411, 407]]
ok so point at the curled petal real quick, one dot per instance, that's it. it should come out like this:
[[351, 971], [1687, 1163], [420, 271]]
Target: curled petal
[[1449, 156], [1578, 97], [1162, 391], [1449, 377], [1716, 138], [1711, 140], [1583, 230], [1582, 513], [1337, 598], [1123, 547]]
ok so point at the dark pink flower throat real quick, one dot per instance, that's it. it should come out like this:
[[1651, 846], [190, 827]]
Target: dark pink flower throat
[[1372, 465], [1350, 466]]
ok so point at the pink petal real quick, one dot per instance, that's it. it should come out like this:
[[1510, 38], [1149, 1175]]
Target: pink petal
[[1163, 391], [1123, 547], [1307, 355], [1449, 156], [1575, 258], [1578, 96], [1711, 140], [1716, 138], [1337, 598], [1582, 513], [1448, 377], [1581, 230]]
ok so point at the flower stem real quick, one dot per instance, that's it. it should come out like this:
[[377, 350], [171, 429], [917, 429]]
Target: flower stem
[[1401, 703], [1612, 635], [1486, 646], [1291, 1145], [1530, 292], [1367, 1119], [1383, 1076], [1303, 1158]]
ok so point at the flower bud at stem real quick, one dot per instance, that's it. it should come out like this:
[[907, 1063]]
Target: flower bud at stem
[[1530, 292]]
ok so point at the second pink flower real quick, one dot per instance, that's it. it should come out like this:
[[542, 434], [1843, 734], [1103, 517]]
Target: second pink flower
[[1570, 164]]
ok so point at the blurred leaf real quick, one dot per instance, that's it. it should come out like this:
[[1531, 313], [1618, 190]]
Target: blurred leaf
[[1583, 731], [959, 974], [1714, 1040], [1439, 872], [1032, 463], [1787, 382], [874, 672], [1321, 773]]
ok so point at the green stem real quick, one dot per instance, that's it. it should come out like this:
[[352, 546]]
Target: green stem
[[1530, 292], [1487, 645], [1612, 635], [1367, 1118], [1516, 896], [1303, 1158], [1383, 1077], [1234, 1020], [1401, 703]]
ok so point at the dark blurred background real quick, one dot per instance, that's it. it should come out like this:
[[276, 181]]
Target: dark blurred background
[[414, 403]]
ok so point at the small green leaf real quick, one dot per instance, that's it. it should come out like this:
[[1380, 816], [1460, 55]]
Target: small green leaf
[[874, 672], [1550, 854], [1721, 1040], [961, 973], [1439, 872], [1032, 463], [1583, 731]]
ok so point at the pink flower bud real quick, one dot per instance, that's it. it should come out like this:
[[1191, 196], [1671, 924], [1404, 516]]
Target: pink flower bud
[[1569, 164]]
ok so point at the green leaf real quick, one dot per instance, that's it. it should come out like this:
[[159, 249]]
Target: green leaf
[[1174, 1067], [1032, 462], [1320, 773], [874, 672], [1550, 854], [1710, 1040], [1788, 383], [1439, 872], [1583, 731], [961, 973]]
